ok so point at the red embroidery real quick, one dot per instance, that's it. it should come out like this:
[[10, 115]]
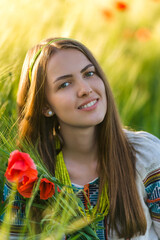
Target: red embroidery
[[86, 195]]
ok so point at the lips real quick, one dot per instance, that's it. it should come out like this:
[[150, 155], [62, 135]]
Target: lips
[[88, 104]]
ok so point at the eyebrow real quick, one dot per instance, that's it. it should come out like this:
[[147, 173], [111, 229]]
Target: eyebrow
[[70, 75], [85, 68]]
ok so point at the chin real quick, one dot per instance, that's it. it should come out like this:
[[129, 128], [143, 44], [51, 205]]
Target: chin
[[98, 120], [94, 123]]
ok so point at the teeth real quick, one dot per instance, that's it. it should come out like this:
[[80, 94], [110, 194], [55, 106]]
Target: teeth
[[89, 104]]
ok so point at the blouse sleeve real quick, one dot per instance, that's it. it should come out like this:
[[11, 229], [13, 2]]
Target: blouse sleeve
[[152, 187], [147, 149], [18, 211]]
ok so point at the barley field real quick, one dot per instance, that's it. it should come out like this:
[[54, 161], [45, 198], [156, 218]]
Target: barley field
[[123, 35]]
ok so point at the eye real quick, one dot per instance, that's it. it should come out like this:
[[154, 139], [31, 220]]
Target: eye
[[64, 85], [89, 74]]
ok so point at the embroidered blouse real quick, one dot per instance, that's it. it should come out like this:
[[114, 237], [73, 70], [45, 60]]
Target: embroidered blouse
[[91, 190]]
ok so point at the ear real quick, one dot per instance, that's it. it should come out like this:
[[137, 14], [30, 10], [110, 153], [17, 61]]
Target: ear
[[47, 111]]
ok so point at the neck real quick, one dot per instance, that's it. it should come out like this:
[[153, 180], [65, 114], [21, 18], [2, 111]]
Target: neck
[[79, 143], [80, 153]]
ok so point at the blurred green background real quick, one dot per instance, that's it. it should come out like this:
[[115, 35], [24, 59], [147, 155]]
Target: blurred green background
[[123, 35]]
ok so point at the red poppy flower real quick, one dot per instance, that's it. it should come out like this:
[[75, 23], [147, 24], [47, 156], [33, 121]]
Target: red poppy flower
[[107, 13], [143, 34], [121, 6], [47, 189], [25, 187], [19, 165]]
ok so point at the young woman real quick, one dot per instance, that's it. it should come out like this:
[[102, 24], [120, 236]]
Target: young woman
[[63, 94]]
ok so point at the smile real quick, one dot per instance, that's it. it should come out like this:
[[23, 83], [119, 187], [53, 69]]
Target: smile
[[90, 104]]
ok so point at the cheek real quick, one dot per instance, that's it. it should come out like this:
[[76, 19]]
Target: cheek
[[104, 93], [102, 89], [61, 103]]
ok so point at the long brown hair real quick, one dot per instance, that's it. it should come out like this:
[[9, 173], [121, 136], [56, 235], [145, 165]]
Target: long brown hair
[[115, 153]]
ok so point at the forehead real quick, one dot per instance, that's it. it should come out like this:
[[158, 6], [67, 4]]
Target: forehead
[[66, 61]]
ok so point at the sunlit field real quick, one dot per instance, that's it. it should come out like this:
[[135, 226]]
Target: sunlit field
[[124, 36]]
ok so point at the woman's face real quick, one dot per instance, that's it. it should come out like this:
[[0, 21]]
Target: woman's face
[[74, 91]]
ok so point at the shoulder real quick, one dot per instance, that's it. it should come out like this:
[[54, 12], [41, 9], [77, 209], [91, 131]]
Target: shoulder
[[147, 150]]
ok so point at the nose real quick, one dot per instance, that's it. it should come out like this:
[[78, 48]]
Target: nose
[[84, 88]]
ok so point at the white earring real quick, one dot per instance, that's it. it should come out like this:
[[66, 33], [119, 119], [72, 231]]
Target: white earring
[[50, 113]]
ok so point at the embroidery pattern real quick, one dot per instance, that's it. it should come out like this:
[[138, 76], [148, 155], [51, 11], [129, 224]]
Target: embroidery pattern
[[152, 187]]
